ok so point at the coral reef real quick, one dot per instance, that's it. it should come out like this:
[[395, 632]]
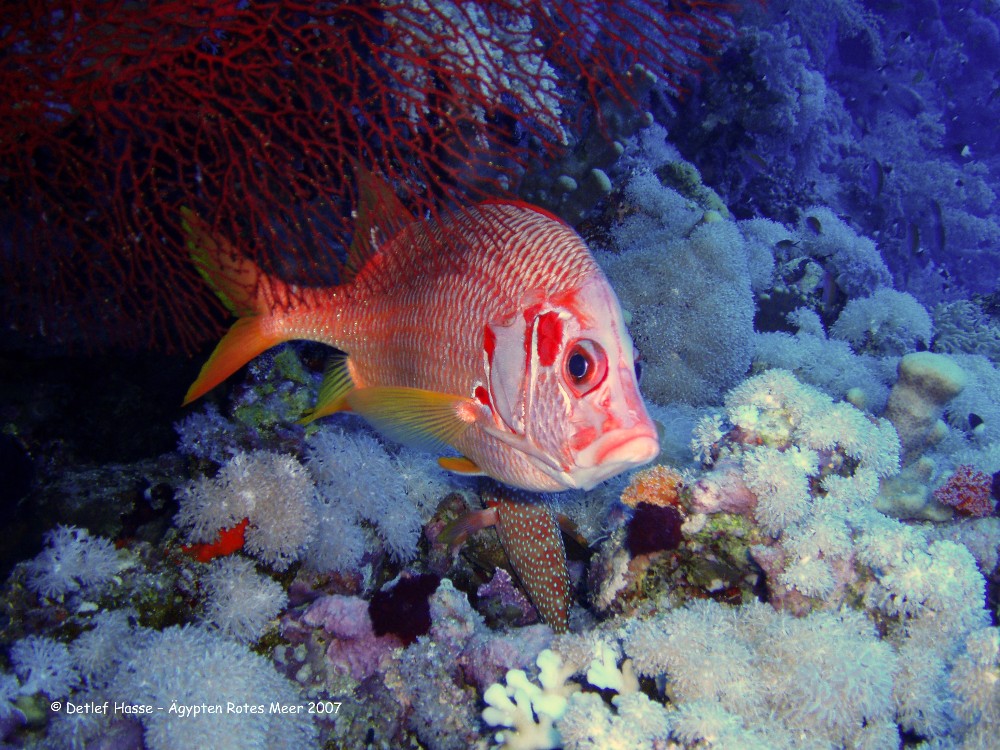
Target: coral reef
[[927, 382], [806, 252], [679, 275]]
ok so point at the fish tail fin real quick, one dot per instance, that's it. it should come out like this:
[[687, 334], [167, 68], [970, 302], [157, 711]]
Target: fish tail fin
[[244, 341], [246, 291], [234, 278]]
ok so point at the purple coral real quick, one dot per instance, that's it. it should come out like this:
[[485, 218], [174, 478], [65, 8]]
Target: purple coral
[[501, 596], [653, 528], [354, 647]]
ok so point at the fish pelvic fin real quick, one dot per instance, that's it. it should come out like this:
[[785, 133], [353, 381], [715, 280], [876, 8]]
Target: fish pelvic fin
[[422, 419], [332, 397]]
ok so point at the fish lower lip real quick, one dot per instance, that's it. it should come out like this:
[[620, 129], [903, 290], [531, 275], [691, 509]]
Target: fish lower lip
[[633, 449]]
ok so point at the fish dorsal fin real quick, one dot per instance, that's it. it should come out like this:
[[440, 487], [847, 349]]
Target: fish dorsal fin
[[422, 419], [332, 397], [379, 216]]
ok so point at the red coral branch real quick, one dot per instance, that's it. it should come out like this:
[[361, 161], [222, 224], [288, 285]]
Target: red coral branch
[[115, 114]]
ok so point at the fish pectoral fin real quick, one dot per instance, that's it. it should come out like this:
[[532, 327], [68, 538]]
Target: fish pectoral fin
[[427, 420], [460, 465], [337, 383]]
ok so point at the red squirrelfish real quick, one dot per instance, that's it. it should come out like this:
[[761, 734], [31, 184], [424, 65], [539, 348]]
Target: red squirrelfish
[[489, 332]]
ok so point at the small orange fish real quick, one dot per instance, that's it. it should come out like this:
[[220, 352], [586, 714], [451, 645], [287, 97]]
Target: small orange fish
[[490, 331]]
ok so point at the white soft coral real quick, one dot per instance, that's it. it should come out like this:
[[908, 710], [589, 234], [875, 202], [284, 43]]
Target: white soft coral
[[72, 560], [44, 666]]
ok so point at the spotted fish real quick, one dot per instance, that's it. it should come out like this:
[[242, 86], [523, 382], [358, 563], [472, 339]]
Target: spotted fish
[[530, 537]]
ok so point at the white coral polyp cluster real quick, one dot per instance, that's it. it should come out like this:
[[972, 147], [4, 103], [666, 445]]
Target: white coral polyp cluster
[[825, 676], [240, 601], [273, 491], [775, 409], [976, 683], [73, 561], [43, 666], [780, 480], [790, 438]]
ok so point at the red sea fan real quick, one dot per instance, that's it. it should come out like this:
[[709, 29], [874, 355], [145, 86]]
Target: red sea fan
[[968, 491], [115, 114]]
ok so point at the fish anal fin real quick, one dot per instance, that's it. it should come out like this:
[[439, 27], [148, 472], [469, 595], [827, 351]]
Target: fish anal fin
[[460, 465], [422, 419], [332, 397]]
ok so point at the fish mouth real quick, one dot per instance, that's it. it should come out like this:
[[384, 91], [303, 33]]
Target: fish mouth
[[633, 449], [614, 453]]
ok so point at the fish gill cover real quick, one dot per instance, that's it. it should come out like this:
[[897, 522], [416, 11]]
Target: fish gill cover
[[115, 115]]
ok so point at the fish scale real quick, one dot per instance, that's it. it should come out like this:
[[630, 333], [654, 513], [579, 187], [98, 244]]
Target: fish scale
[[533, 544]]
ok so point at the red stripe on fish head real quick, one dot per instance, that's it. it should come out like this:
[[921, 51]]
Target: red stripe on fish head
[[483, 396], [550, 336], [572, 302], [489, 343]]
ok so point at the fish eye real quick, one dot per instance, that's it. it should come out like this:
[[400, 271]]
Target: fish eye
[[577, 366], [585, 366]]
